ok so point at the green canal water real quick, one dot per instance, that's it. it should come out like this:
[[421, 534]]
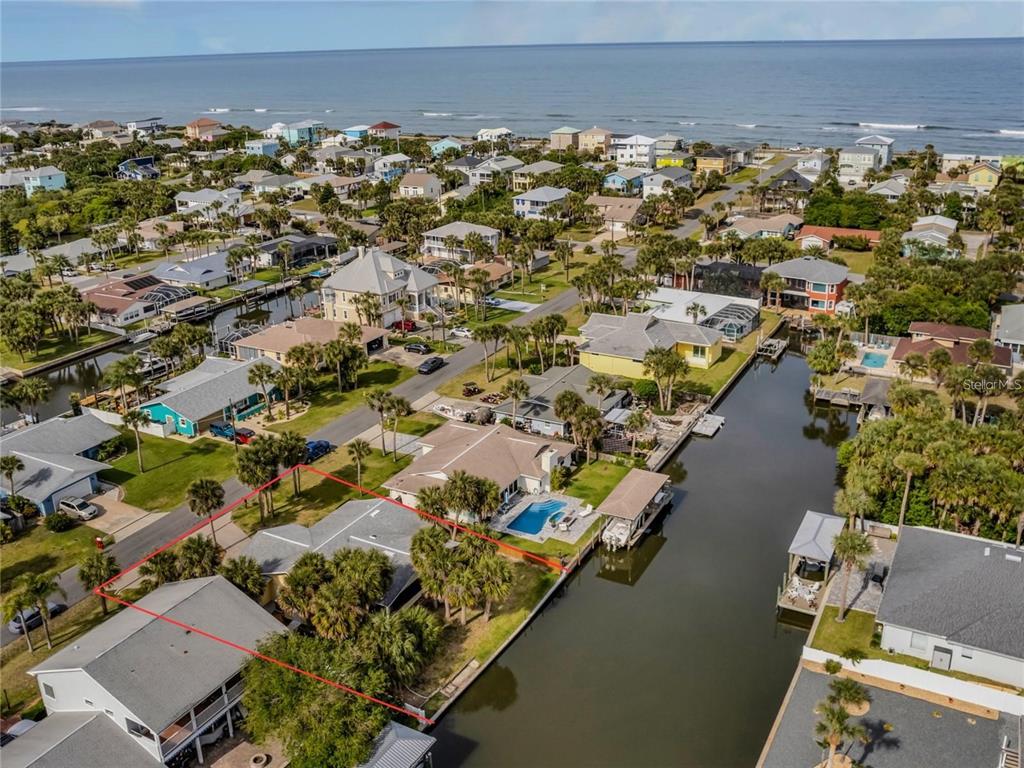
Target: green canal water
[[670, 655]]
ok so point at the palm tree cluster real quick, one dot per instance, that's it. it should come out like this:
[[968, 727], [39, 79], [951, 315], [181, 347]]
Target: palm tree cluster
[[586, 423], [184, 347], [667, 368], [462, 497], [31, 392], [196, 557], [32, 591], [30, 315], [462, 577], [390, 408], [259, 466]]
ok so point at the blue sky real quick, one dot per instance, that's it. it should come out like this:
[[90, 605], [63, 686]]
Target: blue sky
[[36, 30]]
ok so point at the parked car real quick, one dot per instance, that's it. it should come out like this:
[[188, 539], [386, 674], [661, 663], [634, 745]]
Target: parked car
[[33, 619], [244, 435], [419, 349], [69, 272], [403, 325], [462, 332], [77, 507], [490, 301], [316, 449], [430, 365], [222, 429]]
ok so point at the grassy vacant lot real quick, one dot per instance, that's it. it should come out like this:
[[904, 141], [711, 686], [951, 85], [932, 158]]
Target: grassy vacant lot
[[420, 423], [479, 640], [453, 387], [171, 465], [551, 277], [327, 403], [471, 319], [320, 495], [744, 174], [51, 347], [37, 550], [857, 261]]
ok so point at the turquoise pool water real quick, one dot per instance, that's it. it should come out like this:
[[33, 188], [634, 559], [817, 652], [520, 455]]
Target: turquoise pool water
[[531, 520], [874, 360]]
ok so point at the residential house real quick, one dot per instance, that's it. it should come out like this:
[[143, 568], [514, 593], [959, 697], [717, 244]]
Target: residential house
[[302, 250], [101, 129], [274, 341], [956, 602], [262, 147], [123, 301], [154, 230], [498, 276], [674, 160], [814, 285], [636, 150], [723, 277], [439, 147], [931, 235], [79, 252], [204, 129], [540, 203], [249, 178], [968, 195], [149, 126], [172, 143], [159, 685], [595, 140], [752, 228], [627, 180], [304, 132], [721, 160], [814, 164], [45, 179], [495, 134], [280, 182], [206, 272], [732, 316], [665, 179], [357, 132], [536, 414], [463, 165], [434, 240], [956, 161], [616, 345], [787, 189], [390, 280], [825, 237], [525, 177], [485, 172], [667, 144], [138, 169], [385, 130], [420, 185], [565, 138], [216, 390], [984, 176], [854, 162], [516, 462], [1010, 331], [617, 213], [371, 524], [882, 143], [955, 339], [890, 189], [59, 458], [391, 166]]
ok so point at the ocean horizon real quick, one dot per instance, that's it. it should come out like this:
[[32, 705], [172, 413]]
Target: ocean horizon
[[810, 93]]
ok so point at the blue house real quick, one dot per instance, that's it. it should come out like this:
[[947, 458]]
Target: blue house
[[441, 146], [46, 178], [59, 459], [539, 203], [138, 169], [218, 389], [628, 181], [304, 132], [357, 131], [265, 147]]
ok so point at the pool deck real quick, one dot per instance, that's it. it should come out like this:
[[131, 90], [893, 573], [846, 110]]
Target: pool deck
[[573, 506]]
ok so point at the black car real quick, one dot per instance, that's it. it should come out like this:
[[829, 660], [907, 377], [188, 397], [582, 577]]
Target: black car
[[420, 349], [430, 365], [317, 448]]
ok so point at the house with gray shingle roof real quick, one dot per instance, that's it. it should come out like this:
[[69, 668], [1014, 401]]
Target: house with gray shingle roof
[[539, 203], [523, 178], [957, 602], [434, 240], [204, 272], [616, 345], [160, 684], [387, 278]]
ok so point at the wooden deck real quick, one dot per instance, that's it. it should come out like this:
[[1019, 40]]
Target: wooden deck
[[844, 397], [771, 348]]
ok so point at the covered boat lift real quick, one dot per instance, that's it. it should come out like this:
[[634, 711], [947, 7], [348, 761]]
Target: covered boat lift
[[632, 505], [810, 555]]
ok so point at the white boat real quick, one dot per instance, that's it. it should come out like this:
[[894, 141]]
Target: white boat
[[137, 338], [451, 412]]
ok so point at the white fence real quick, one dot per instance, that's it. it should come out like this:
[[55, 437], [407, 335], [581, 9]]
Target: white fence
[[159, 429]]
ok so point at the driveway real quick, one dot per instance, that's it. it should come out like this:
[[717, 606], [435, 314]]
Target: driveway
[[116, 516]]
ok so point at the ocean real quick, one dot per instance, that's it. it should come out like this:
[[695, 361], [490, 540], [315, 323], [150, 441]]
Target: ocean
[[959, 95]]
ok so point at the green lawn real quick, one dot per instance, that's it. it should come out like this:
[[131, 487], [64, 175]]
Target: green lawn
[[420, 424], [320, 495], [37, 550], [453, 387], [305, 204], [171, 464], [269, 275], [327, 403], [51, 347], [469, 318], [744, 174], [711, 380], [857, 261], [551, 277], [575, 317]]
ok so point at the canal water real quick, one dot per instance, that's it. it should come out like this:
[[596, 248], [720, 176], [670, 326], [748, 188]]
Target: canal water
[[670, 655], [85, 376]]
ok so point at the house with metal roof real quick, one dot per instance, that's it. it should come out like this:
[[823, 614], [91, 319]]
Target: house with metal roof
[[540, 203], [882, 144], [485, 172], [439, 147], [957, 602], [627, 180], [371, 524], [216, 390], [434, 240], [733, 316], [889, 189], [616, 345], [665, 179], [161, 685], [385, 277], [59, 458]]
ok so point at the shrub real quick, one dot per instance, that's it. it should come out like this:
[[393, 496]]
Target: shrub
[[559, 478], [59, 522], [111, 449], [645, 390], [6, 534]]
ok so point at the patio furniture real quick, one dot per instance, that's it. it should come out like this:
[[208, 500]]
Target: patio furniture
[[566, 523], [586, 510]]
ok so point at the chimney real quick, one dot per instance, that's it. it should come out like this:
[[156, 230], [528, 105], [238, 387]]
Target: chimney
[[548, 460]]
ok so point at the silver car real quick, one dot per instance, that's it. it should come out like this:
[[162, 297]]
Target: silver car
[[77, 507]]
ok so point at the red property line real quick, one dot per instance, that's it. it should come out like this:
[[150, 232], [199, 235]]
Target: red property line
[[263, 657]]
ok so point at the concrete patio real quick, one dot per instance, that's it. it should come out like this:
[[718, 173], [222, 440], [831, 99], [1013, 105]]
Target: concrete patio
[[865, 594], [572, 508]]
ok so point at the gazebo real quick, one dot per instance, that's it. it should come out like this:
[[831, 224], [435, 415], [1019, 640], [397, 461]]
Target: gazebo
[[810, 550]]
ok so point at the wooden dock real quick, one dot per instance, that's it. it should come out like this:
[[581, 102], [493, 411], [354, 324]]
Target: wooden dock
[[847, 398], [771, 348]]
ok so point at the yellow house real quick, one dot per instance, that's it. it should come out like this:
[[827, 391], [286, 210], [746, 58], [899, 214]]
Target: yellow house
[[712, 162], [983, 176], [616, 345], [674, 160]]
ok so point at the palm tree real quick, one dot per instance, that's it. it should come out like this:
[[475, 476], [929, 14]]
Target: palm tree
[[39, 587], [494, 574], [851, 547], [567, 404], [301, 584], [244, 572], [848, 693], [205, 496], [261, 375], [431, 559], [285, 380], [462, 591], [516, 390], [359, 450], [14, 606], [636, 424], [398, 407], [589, 427], [95, 570], [379, 400], [835, 727], [696, 310], [161, 568], [199, 557], [913, 365], [10, 465], [399, 642], [600, 384], [291, 447], [335, 613], [912, 465], [34, 391], [135, 420]]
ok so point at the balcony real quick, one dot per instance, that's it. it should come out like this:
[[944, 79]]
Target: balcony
[[181, 732]]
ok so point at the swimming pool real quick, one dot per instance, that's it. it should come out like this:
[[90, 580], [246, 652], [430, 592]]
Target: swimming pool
[[874, 360], [531, 520]]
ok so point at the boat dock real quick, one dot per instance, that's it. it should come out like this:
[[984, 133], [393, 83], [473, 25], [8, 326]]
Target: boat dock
[[843, 397], [772, 348], [708, 425]]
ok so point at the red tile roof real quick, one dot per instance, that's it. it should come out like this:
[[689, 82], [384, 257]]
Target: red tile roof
[[203, 122], [828, 234], [948, 331], [957, 353], [384, 126]]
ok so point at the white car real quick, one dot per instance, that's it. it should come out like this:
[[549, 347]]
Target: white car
[[490, 301], [66, 272], [462, 333], [77, 507]]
